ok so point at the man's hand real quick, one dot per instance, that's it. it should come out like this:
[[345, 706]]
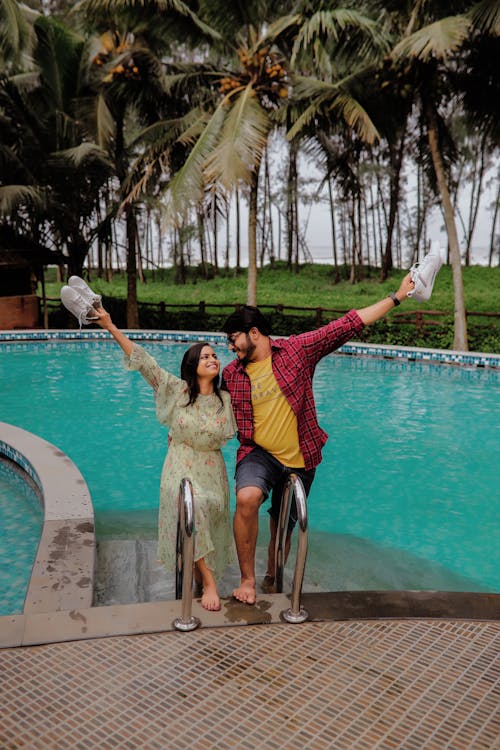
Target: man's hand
[[380, 309], [406, 286]]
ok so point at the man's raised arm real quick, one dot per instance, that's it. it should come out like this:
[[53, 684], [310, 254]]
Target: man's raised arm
[[374, 312]]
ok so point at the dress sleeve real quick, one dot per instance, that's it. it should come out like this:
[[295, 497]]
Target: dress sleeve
[[149, 368], [231, 428]]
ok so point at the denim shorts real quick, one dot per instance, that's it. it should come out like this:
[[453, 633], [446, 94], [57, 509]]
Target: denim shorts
[[260, 469]]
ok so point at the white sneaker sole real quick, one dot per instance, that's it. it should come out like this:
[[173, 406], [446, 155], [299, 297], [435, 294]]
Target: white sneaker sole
[[424, 274]]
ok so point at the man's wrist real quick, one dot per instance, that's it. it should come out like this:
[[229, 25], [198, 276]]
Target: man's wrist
[[394, 298]]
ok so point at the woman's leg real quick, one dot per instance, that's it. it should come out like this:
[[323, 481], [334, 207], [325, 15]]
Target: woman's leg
[[210, 596]]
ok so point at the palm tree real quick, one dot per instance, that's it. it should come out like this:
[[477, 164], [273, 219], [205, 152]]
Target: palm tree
[[51, 175], [223, 138], [430, 47], [334, 58], [16, 35], [126, 70]]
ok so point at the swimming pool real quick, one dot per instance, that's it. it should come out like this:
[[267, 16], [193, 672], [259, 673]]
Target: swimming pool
[[406, 496], [21, 519]]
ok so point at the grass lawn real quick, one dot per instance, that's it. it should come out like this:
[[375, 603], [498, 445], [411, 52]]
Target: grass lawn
[[313, 286]]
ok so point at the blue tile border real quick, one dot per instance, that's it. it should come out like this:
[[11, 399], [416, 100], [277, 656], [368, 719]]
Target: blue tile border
[[20, 459], [411, 354]]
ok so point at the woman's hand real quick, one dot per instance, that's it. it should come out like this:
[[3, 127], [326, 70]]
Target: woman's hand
[[103, 318]]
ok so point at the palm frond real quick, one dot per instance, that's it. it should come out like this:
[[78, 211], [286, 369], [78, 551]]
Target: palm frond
[[85, 152], [356, 117], [275, 30], [25, 82], [330, 24], [105, 123], [485, 17], [12, 197], [92, 7], [187, 186], [16, 29], [153, 166], [243, 139], [57, 54], [326, 98], [438, 39]]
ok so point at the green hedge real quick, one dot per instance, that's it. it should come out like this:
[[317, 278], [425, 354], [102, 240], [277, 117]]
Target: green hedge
[[482, 337]]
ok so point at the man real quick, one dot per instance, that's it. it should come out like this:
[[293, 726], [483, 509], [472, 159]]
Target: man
[[270, 383]]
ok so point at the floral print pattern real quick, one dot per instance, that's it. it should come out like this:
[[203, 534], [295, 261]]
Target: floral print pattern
[[196, 434]]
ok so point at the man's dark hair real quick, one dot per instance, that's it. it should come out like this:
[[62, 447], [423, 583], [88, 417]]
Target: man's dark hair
[[244, 319]]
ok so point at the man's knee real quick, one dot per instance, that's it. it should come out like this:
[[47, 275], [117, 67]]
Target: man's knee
[[249, 500]]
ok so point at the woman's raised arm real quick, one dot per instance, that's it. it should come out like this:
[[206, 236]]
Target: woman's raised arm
[[104, 320]]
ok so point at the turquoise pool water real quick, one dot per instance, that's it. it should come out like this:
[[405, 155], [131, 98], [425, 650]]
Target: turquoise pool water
[[407, 494], [21, 519]]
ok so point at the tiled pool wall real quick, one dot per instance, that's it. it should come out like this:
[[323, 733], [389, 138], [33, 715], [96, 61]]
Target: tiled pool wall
[[410, 354], [19, 460]]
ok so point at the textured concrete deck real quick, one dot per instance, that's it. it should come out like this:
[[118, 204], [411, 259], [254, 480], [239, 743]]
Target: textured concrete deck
[[412, 684]]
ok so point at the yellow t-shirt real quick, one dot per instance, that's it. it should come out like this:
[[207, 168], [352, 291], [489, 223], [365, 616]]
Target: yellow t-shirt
[[275, 424]]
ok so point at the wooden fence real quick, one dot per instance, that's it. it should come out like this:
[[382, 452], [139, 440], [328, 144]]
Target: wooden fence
[[418, 318]]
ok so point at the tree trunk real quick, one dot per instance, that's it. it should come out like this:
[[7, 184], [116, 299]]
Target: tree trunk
[[396, 160], [291, 209], [238, 242], [132, 308], [477, 187], [131, 227], [215, 234], [460, 332], [493, 224], [252, 238], [334, 238]]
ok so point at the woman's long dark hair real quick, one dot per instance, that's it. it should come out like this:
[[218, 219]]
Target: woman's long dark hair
[[189, 365]]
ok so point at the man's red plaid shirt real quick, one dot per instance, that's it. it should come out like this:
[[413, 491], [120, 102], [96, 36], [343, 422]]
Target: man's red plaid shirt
[[294, 361]]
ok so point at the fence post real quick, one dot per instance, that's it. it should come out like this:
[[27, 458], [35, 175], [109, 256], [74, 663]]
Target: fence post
[[201, 307], [319, 316]]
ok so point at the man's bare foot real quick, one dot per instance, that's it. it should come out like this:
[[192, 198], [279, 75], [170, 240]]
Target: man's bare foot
[[246, 592], [210, 598]]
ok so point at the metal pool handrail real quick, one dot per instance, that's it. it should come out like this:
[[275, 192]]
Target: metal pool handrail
[[293, 488], [184, 557]]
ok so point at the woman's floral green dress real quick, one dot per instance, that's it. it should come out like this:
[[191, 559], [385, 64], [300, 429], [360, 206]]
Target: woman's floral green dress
[[196, 435]]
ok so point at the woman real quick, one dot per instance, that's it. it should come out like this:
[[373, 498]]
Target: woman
[[200, 421]]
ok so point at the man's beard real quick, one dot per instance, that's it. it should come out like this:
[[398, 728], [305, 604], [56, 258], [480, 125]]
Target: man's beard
[[250, 350]]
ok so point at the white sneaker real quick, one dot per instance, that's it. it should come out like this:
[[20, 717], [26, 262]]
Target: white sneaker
[[75, 282], [78, 306], [424, 274]]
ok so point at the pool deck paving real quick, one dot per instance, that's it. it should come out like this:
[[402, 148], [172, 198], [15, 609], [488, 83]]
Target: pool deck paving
[[122, 677]]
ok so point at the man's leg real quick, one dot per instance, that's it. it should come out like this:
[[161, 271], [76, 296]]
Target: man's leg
[[246, 527], [307, 477], [267, 585]]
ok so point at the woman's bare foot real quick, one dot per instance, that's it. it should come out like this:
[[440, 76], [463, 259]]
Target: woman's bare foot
[[210, 598], [246, 592]]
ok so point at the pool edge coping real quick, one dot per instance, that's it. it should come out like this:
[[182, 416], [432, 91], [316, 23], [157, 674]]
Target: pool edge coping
[[32, 629], [409, 353], [63, 572]]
